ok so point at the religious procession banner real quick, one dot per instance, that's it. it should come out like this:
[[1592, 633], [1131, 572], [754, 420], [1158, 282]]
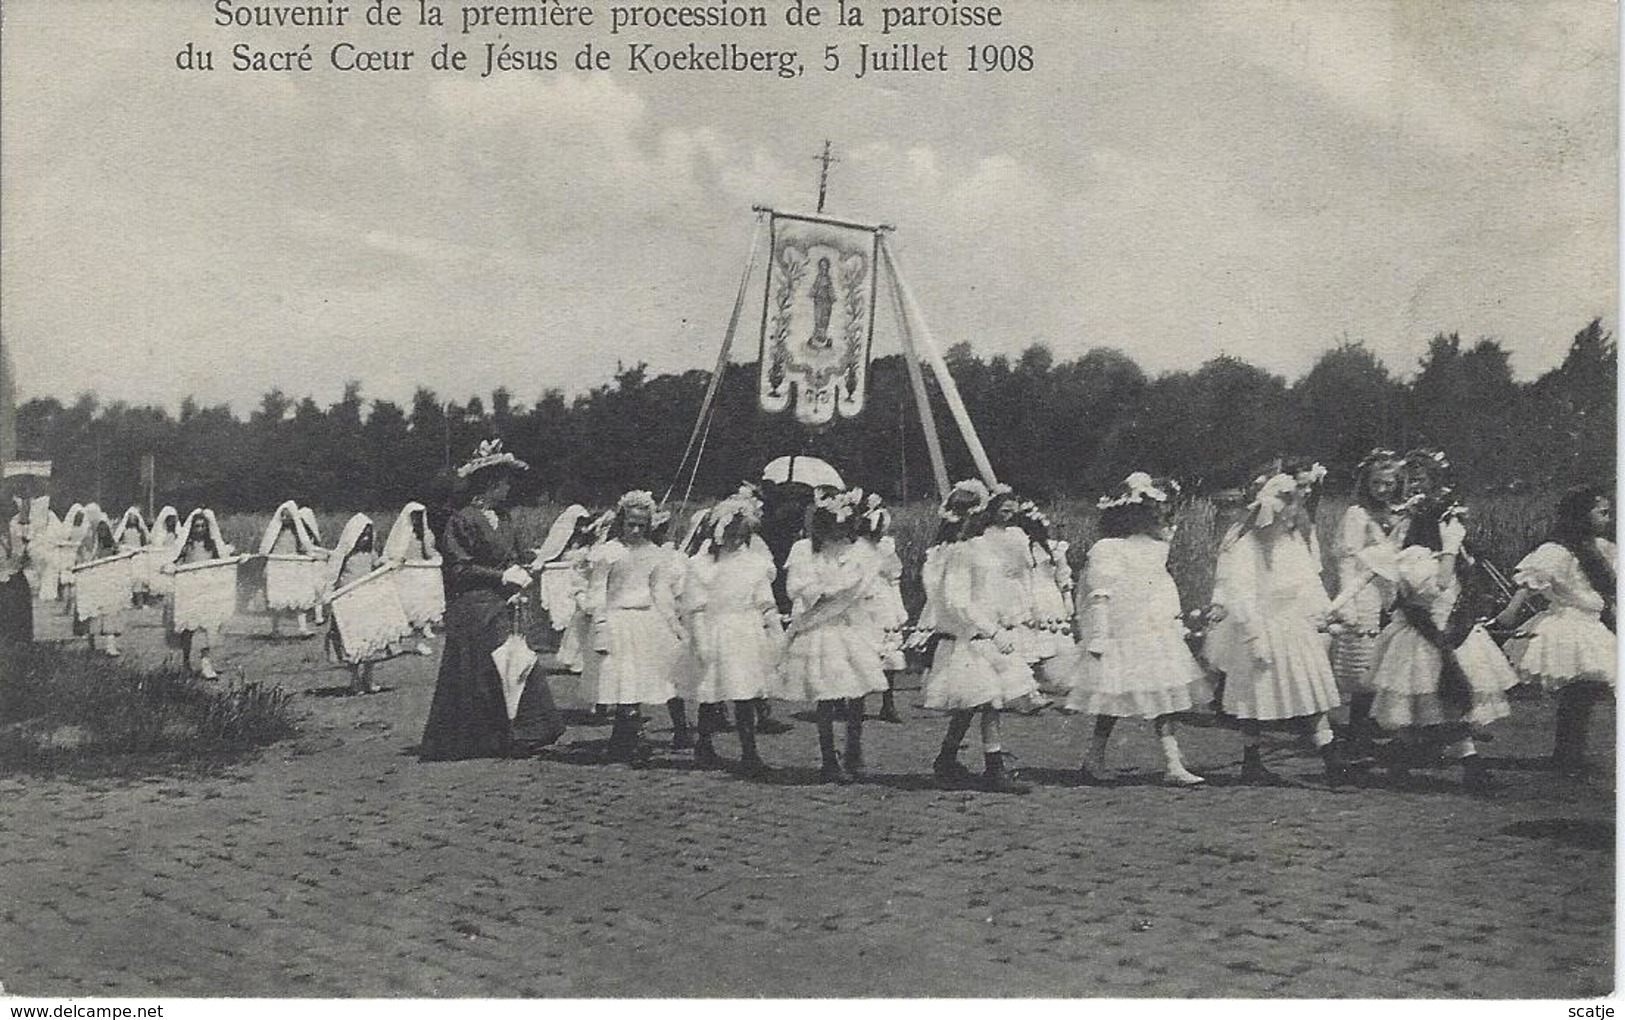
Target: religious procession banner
[[817, 317]]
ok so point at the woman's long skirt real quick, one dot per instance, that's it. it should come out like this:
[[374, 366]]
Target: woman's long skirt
[[468, 717]]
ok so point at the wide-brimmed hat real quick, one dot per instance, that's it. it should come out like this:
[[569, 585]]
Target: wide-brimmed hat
[[490, 454]]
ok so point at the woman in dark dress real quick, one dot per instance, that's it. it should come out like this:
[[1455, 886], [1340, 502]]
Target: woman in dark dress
[[480, 557]]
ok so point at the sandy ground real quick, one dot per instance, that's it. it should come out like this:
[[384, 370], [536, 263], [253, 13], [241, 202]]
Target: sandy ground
[[336, 864]]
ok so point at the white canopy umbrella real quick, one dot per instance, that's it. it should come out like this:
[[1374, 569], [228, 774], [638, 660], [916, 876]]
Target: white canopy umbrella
[[806, 470]]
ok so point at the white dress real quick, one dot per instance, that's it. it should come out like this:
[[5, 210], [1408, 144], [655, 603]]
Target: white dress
[[884, 603], [1406, 666], [1362, 547], [733, 621], [967, 669], [638, 645], [1567, 641], [832, 650], [1273, 658], [1010, 588], [1049, 631], [1131, 618]]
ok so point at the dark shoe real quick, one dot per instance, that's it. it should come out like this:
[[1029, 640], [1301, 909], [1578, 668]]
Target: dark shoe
[[1087, 776], [1337, 770], [948, 769], [772, 727], [1253, 772], [834, 772], [706, 757], [754, 767], [997, 777]]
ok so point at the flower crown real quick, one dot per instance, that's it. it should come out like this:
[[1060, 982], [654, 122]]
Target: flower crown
[[736, 507], [876, 518], [1271, 498], [1444, 499], [970, 490], [637, 499], [1028, 510], [1426, 456], [1378, 455], [1136, 489], [491, 454], [1316, 473], [840, 504]]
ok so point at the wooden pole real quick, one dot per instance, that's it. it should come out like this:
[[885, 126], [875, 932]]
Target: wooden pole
[[939, 368], [916, 378]]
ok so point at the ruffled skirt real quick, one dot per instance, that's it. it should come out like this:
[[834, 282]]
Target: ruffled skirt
[[839, 659], [638, 659], [969, 674], [736, 657], [1407, 672], [1137, 676], [1562, 646], [1294, 681]]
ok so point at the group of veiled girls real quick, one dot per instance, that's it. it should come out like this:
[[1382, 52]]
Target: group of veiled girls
[[114, 567], [1396, 644]]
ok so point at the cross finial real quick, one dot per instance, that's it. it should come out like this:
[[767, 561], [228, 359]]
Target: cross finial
[[823, 173]]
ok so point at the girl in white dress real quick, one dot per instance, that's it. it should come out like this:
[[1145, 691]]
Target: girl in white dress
[[201, 542], [1048, 630], [104, 627], [1434, 674], [1132, 662], [166, 541], [1368, 543], [133, 535], [638, 643], [833, 658], [353, 558], [410, 548], [982, 599], [734, 624], [885, 599], [293, 586], [1569, 648], [1269, 607]]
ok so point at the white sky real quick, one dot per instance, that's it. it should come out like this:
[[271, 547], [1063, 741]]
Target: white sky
[[1174, 179]]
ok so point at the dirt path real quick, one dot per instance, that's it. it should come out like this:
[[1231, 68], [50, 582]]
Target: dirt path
[[338, 865]]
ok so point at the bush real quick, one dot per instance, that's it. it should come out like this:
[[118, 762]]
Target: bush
[[63, 710]]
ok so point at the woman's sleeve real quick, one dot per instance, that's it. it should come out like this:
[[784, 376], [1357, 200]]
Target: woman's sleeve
[[1102, 578], [461, 555], [1235, 583], [1541, 569]]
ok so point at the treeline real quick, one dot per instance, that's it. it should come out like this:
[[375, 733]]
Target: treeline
[[1050, 428]]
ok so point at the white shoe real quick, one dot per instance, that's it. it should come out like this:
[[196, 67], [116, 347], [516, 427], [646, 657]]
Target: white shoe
[[110, 647], [1182, 777], [424, 648], [206, 669]]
